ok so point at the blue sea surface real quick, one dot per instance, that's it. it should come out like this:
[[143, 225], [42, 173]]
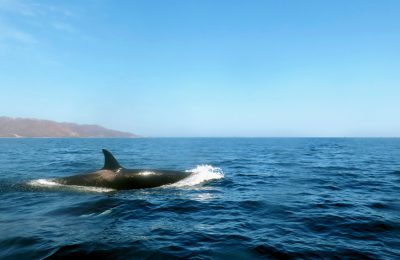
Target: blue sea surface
[[279, 198]]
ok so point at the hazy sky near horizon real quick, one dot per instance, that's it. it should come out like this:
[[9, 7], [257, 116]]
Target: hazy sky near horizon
[[205, 68]]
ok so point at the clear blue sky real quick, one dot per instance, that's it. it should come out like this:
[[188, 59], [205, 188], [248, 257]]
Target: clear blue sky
[[205, 67]]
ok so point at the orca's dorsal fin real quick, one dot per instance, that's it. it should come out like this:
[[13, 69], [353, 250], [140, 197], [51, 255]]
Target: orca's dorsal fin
[[110, 163]]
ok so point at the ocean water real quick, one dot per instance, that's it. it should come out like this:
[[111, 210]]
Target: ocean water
[[248, 198]]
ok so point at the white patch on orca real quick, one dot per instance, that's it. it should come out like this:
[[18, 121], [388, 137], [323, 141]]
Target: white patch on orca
[[147, 173], [200, 174], [49, 183]]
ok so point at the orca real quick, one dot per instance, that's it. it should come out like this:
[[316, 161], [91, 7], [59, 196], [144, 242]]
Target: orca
[[114, 176]]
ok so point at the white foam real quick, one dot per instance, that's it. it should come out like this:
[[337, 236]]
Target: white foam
[[44, 183], [87, 215], [106, 212], [200, 174], [49, 183]]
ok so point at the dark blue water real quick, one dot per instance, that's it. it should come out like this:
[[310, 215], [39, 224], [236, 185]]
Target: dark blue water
[[279, 199]]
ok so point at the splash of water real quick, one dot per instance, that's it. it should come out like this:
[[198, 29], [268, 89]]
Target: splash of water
[[200, 174]]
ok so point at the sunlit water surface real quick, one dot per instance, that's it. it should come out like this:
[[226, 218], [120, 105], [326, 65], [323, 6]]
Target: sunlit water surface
[[248, 198]]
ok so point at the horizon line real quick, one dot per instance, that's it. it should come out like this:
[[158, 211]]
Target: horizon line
[[201, 137]]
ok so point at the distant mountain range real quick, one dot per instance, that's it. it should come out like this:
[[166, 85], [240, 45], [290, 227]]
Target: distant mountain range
[[29, 127]]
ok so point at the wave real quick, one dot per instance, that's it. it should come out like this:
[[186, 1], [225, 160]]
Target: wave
[[106, 212]]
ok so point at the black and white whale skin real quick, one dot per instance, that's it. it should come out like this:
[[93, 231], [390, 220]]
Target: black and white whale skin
[[113, 176]]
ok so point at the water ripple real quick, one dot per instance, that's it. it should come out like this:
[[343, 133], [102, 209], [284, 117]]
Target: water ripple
[[278, 199]]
